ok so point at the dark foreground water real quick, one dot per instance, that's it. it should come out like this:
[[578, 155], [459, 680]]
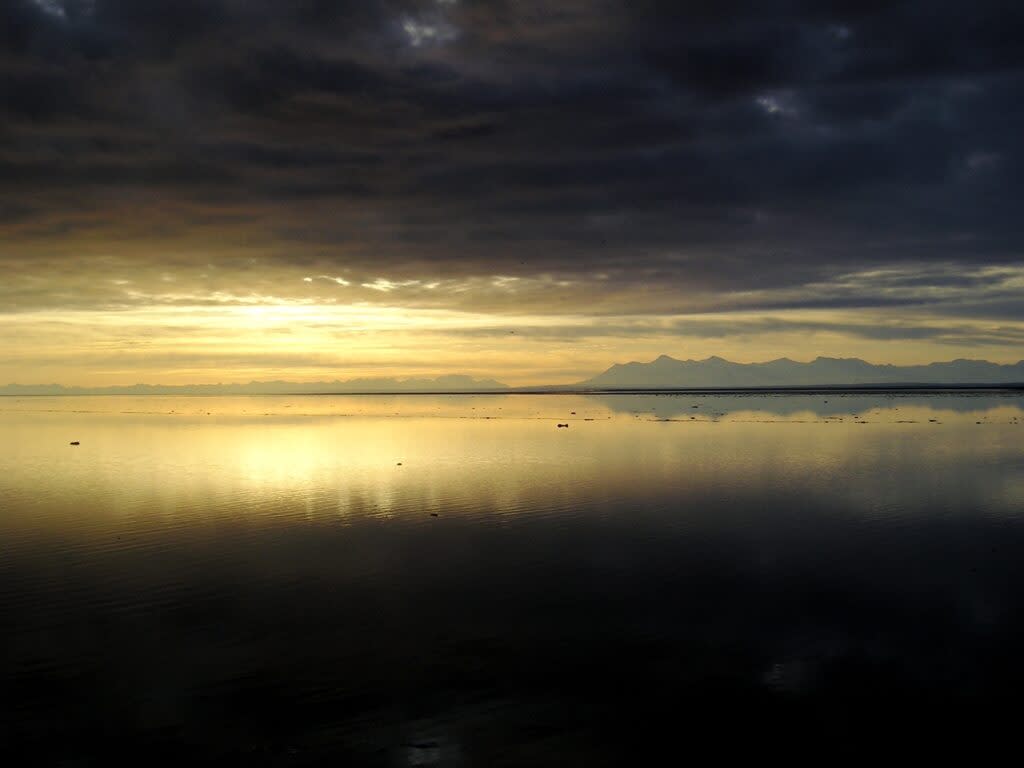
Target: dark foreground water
[[458, 581]]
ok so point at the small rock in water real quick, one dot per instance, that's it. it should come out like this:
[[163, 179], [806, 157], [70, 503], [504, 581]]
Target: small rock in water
[[75, 442]]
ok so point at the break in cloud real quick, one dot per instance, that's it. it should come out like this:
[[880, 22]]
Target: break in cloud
[[519, 189]]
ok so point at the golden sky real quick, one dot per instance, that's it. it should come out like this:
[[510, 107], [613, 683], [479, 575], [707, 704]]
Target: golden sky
[[422, 187], [115, 324]]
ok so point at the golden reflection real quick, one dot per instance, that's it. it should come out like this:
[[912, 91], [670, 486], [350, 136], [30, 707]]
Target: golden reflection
[[336, 458]]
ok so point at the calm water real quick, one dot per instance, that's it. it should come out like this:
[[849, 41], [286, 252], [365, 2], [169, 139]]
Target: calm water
[[414, 580]]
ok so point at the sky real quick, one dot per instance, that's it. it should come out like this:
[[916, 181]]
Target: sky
[[198, 191]]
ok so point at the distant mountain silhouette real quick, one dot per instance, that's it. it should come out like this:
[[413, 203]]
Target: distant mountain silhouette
[[663, 373], [714, 372], [453, 383]]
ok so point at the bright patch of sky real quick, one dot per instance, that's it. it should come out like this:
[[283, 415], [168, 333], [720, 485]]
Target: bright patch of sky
[[422, 33], [386, 286], [776, 104], [52, 7], [431, 28]]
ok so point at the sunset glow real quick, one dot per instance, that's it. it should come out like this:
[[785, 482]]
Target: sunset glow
[[429, 187]]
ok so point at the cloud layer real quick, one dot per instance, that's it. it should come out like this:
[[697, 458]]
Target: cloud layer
[[852, 168]]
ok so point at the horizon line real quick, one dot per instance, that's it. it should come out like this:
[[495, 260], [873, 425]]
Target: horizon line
[[569, 389], [389, 384]]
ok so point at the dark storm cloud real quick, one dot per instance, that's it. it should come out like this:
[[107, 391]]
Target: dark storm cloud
[[719, 146], [963, 335]]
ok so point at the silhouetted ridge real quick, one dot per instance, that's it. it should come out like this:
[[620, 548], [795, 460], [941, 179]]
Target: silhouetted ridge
[[714, 372], [447, 383]]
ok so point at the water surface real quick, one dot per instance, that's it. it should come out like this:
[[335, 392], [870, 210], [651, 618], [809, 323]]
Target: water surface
[[427, 580]]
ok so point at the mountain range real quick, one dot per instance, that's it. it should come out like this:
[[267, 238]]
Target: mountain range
[[668, 373], [662, 373], [451, 383]]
